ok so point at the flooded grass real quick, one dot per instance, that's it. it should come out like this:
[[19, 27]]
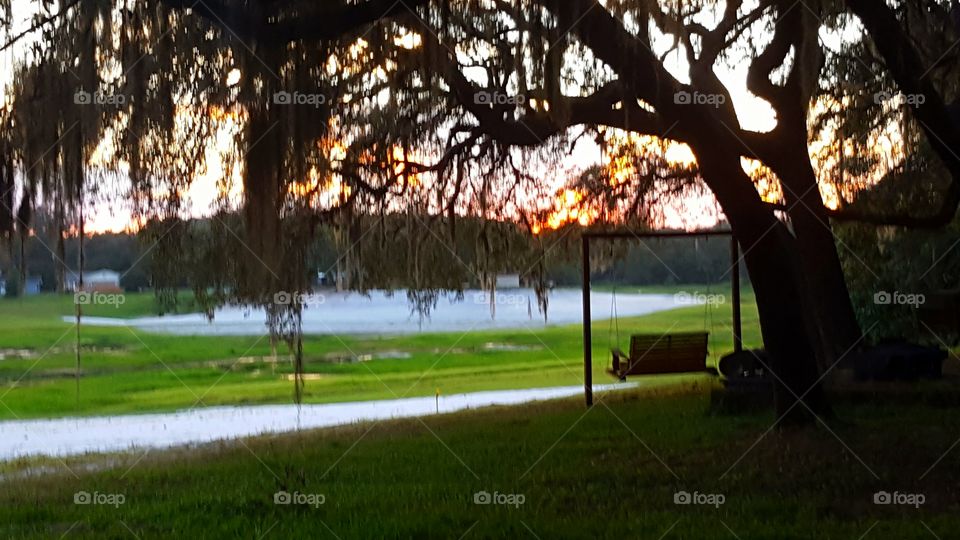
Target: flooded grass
[[136, 432], [126, 370]]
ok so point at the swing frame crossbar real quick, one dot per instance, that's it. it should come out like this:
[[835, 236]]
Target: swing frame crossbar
[[642, 235]]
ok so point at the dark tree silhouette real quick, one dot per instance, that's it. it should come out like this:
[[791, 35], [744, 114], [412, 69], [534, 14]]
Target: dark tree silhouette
[[554, 66]]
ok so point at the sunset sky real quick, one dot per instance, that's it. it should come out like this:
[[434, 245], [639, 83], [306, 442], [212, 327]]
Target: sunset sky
[[694, 212]]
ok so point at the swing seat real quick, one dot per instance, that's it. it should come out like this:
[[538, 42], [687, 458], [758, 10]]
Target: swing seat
[[652, 354]]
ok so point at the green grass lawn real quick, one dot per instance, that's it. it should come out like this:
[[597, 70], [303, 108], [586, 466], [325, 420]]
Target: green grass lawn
[[612, 471], [609, 472], [125, 371], [41, 306]]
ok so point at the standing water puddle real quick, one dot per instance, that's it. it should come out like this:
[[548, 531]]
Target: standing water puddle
[[78, 435]]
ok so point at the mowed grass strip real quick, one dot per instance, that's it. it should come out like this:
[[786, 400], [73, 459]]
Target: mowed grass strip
[[610, 472]]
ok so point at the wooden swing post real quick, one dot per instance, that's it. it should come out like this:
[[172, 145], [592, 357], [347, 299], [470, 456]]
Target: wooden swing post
[[627, 234], [587, 345], [735, 285]]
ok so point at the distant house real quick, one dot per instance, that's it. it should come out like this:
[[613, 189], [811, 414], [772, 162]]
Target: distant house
[[508, 281], [95, 280], [33, 285]]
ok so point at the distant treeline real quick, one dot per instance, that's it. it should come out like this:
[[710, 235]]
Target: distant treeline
[[672, 261], [627, 262]]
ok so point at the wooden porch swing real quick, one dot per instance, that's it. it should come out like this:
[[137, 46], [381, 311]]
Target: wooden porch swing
[[678, 352]]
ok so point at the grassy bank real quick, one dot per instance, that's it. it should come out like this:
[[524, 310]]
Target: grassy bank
[[124, 371], [610, 472]]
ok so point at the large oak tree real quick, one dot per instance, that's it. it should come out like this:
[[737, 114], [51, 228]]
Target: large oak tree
[[417, 71]]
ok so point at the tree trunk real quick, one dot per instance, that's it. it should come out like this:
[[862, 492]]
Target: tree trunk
[[825, 285], [825, 289], [24, 219], [770, 253], [22, 282], [59, 264], [785, 323], [261, 184]]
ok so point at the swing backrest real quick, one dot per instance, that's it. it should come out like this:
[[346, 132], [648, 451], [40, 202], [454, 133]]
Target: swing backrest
[[671, 353]]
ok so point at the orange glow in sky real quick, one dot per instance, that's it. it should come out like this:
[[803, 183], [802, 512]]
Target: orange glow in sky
[[692, 212], [218, 180]]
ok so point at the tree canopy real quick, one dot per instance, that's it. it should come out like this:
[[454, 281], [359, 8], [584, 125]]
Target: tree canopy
[[389, 121]]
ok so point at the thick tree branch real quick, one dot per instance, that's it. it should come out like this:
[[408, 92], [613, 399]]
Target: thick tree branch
[[280, 23], [758, 74], [909, 72], [535, 127], [610, 42], [714, 40], [644, 76]]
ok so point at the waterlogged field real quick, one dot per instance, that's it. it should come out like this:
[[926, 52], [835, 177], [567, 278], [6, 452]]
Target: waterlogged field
[[124, 370]]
